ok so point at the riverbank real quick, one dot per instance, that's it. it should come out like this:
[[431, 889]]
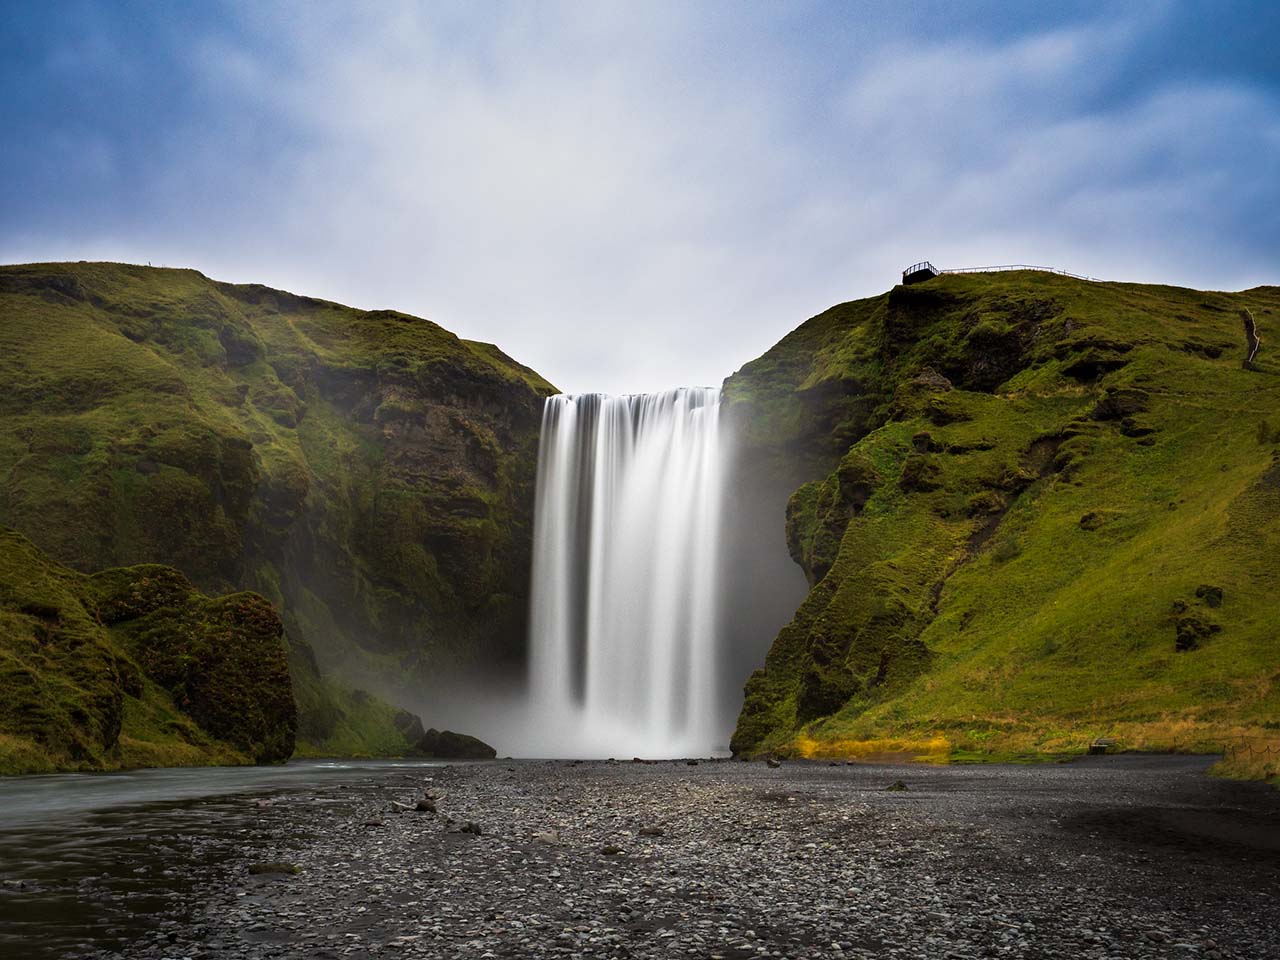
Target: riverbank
[[1106, 857]]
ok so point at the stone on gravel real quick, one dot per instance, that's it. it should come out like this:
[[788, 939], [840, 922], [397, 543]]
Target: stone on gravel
[[1119, 858]]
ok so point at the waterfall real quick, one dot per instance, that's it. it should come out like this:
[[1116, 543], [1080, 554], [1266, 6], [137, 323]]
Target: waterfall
[[623, 644]]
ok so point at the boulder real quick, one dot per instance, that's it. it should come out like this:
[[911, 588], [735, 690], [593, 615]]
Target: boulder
[[447, 745], [1212, 596], [1191, 631]]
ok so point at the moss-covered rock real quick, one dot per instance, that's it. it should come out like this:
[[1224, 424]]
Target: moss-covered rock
[[1011, 479], [134, 667], [223, 662]]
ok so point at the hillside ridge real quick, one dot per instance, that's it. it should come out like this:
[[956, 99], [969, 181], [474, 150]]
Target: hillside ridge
[[1038, 510]]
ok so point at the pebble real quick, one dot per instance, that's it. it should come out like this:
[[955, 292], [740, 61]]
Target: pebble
[[817, 861]]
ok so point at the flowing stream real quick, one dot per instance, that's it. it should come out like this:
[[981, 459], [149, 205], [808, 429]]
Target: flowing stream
[[625, 574]]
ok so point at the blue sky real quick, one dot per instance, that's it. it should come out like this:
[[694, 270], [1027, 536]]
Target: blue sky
[[635, 196]]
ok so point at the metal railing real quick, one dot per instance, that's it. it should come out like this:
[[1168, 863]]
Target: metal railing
[[925, 266], [1020, 266]]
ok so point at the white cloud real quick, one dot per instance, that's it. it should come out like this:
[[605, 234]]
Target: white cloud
[[629, 197]]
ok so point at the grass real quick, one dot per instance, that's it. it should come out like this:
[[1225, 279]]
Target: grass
[[134, 667], [368, 471], [1024, 548]]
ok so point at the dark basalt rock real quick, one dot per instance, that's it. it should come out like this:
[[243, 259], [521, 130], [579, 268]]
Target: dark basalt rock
[[409, 725], [1211, 595], [1191, 631], [447, 745]]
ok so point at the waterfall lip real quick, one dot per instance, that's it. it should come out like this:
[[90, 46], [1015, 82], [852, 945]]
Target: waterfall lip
[[628, 396], [623, 613]]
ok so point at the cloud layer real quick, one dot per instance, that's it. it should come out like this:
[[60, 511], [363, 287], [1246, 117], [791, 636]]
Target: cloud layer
[[629, 197]]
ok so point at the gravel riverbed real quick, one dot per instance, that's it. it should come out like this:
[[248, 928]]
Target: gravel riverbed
[[1124, 857]]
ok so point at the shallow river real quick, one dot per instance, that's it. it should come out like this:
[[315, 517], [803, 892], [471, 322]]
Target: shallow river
[[99, 858]]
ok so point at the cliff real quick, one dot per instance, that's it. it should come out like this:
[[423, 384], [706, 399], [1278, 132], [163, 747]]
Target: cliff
[[1039, 510], [369, 473]]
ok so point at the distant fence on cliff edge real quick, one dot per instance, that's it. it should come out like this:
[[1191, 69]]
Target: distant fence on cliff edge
[[1020, 266], [924, 270]]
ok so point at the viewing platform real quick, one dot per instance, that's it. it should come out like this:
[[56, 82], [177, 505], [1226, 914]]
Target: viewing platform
[[924, 270]]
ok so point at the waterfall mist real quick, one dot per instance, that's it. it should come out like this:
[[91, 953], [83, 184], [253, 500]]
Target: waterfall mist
[[660, 576], [624, 646]]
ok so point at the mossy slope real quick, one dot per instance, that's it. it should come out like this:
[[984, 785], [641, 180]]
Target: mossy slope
[[1051, 511], [368, 472], [134, 667]]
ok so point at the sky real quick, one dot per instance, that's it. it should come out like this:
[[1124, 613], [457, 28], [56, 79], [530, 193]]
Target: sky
[[634, 196]]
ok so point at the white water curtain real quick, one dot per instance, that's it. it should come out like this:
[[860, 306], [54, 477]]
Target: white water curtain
[[625, 580]]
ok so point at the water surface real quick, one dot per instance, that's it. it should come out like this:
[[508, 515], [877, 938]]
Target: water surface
[[88, 862]]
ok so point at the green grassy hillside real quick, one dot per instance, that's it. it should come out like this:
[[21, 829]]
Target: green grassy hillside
[[368, 472], [134, 667], [1050, 512]]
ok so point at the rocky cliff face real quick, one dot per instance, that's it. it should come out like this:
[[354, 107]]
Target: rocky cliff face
[[1023, 492], [368, 472], [134, 667]]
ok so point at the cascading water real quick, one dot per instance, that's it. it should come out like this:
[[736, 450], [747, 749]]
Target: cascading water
[[625, 580]]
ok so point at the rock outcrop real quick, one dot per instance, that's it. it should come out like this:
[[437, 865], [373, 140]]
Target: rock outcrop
[[134, 667], [447, 745]]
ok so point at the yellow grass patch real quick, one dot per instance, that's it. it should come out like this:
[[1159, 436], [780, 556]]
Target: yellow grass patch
[[932, 750]]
